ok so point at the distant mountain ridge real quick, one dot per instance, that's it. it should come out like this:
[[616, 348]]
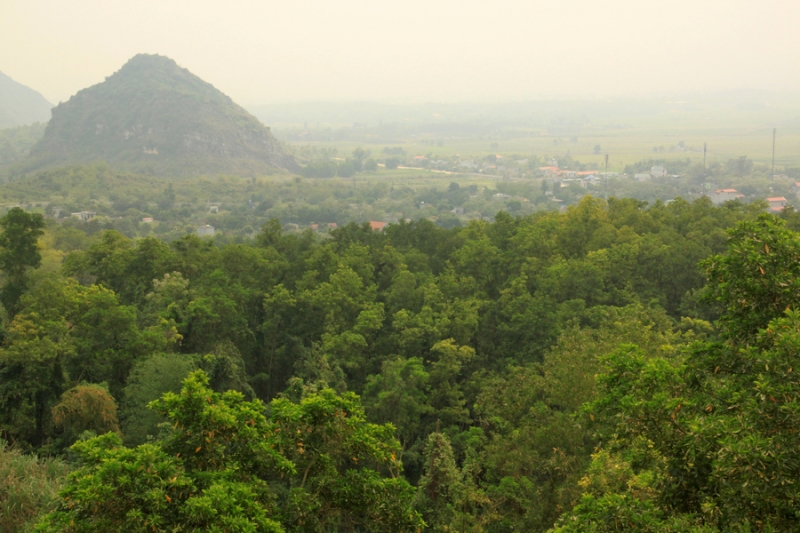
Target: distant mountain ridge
[[154, 116], [20, 105]]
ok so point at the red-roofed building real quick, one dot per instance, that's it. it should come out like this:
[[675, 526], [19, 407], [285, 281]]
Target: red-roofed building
[[332, 225], [776, 203], [549, 171], [377, 226], [720, 196]]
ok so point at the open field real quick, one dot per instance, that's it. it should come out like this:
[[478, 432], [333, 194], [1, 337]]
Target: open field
[[623, 146], [628, 130]]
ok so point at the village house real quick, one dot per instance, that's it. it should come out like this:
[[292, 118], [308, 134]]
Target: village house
[[776, 204], [549, 171], [377, 226], [658, 171], [720, 196]]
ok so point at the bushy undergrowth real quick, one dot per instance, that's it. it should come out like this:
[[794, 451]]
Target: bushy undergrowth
[[28, 486]]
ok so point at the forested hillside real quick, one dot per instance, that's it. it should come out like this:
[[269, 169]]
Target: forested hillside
[[155, 117], [618, 367]]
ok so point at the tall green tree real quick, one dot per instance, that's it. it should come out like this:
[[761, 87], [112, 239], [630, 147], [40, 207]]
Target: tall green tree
[[208, 475], [340, 462], [65, 334], [18, 253], [707, 441], [228, 465]]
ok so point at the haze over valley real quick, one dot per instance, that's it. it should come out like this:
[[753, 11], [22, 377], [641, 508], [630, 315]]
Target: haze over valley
[[358, 267]]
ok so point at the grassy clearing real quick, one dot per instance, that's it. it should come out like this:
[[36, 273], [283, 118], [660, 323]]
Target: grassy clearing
[[28, 487]]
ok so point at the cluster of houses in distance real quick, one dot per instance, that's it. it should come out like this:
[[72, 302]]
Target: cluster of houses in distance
[[560, 178], [776, 203]]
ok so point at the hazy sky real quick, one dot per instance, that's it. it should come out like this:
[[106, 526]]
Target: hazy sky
[[412, 50]]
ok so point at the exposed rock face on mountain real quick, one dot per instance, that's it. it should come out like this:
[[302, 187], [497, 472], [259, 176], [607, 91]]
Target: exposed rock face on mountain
[[21, 105], [154, 116]]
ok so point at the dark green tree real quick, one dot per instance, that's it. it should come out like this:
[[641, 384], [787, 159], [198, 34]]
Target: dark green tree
[[18, 253], [439, 487]]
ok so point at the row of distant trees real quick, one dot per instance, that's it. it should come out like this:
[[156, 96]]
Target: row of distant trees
[[359, 162]]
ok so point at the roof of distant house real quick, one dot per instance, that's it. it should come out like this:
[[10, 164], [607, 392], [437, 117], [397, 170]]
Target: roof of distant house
[[726, 190], [776, 199], [376, 225]]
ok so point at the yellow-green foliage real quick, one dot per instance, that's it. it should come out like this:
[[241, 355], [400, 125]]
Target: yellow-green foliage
[[86, 408]]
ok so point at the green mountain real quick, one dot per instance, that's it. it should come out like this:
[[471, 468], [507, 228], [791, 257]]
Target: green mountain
[[155, 117], [20, 105]]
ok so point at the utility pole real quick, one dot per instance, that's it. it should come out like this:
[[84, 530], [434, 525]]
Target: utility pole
[[606, 177], [774, 131], [704, 157]]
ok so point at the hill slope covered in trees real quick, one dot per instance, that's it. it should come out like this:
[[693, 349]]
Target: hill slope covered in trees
[[20, 105], [156, 117]]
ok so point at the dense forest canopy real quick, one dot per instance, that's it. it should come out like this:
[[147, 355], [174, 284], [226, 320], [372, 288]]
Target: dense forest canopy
[[584, 371]]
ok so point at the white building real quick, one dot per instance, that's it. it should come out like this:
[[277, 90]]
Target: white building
[[84, 216], [658, 171]]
